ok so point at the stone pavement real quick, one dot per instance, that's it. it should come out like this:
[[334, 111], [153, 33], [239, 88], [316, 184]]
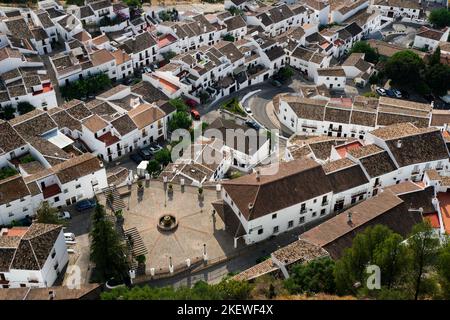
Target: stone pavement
[[196, 226]]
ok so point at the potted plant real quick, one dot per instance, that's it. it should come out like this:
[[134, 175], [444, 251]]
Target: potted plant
[[140, 186], [119, 215], [200, 193], [110, 199]]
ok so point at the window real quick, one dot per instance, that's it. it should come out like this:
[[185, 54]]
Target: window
[[260, 231], [10, 214], [322, 212], [301, 220], [22, 200], [56, 199], [78, 186], [274, 216], [303, 208], [66, 190], [314, 214], [290, 223], [25, 209], [324, 200], [53, 253], [275, 229]]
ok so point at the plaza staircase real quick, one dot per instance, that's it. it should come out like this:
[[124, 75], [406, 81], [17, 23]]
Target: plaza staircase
[[115, 203]]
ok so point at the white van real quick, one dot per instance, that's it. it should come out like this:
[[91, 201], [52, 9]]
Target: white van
[[69, 236]]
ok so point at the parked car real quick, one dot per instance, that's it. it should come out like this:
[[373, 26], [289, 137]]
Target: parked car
[[69, 236], [64, 215], [148, 70], [191, 102], [248, 110], [381, 91], [145, 153], [397, 93], [252, 124], [154, 147], [136, 158], [404, 93], [85, 204], [390, 93], [195, 115], [127, 81], [276, 83]]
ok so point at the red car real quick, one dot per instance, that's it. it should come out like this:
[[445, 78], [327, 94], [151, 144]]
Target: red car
[[195, 114]]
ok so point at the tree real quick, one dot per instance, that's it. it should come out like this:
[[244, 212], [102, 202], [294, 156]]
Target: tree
[[225, 290], [179, 104], [228, 37], [24, 107], [107, 249], [439, 18], [438, 79], [423, 248], [363, 47], [47, 214], [285, 73], [163, 156], [443, 268], [180, 120], [405, 68], [435, 58], [391, 256], [7, 112], [315, 276], [168, 55], [153, 167], [351, 267], [133, 3]]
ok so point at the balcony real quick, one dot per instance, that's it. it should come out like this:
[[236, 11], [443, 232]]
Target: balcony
[[51, 190], [325, 203]]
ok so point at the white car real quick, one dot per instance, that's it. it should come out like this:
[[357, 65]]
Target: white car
[[70, 251], [64, 215], [69, 236], [381, 91], [248, 110]]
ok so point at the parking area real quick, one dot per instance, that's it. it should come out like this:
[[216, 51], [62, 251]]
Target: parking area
[[80, 225]]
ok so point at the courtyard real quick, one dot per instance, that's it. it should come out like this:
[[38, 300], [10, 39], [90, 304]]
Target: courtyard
[[196, 224]]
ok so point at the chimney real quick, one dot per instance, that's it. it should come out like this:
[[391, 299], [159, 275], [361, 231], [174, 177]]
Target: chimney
[[399, 143], [250, 206], [3, 232], [51, 295], [349, 218], [258, 175]]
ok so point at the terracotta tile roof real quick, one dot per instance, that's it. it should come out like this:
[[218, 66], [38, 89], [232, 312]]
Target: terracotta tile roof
[[35, 246], [12, 188], [101, 57], [294, 182], [10, 138], [34, 125], [124, 124], [344, 174], [337, 233], [378, 164], [145, 114], [95, 123]]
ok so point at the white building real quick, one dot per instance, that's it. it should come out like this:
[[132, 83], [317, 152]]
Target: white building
[[429, 39], [333, 78], [411, 9], [348, 9], [33, 256], [258, 206]]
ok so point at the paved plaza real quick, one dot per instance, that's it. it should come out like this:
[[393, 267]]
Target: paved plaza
[[196, 225]]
